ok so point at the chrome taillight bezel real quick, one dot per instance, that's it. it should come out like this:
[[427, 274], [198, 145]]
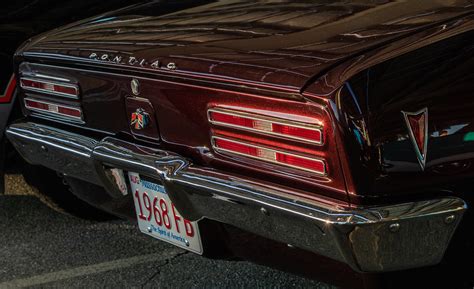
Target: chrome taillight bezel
[[270, 120], [269, 149], [54, 113], [75, 87]]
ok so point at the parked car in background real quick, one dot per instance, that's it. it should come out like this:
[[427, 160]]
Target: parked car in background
[[341, 128], [20, 20]]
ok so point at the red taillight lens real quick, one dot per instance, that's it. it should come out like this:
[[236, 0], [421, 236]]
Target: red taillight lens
[[266, 125], [310, 164], [65, 90], [74, 112], [298, 132], [54, 108], [31, 104], [44, 86], [231, 119], [235, 147]]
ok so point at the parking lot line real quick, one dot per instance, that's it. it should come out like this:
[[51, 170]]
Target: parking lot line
[[89, 269]]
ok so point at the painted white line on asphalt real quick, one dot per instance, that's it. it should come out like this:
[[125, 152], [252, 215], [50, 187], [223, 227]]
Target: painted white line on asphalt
[[89, 269]]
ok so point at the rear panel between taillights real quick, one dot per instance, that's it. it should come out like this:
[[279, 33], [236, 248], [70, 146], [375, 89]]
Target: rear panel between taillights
[[283, 141]]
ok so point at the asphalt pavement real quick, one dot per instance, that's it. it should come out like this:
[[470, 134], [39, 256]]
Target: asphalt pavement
[[42, 247]]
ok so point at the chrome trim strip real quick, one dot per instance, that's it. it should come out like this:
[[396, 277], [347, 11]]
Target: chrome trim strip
[[52, 112], [44, 76], [266, 119], [287, 91], [75, 87], [216, 148]]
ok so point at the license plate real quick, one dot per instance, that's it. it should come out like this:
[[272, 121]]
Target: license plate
[[159, 218]]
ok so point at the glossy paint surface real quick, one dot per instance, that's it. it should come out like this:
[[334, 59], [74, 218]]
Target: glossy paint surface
[[284, 57], [275, 45], [383, 157]]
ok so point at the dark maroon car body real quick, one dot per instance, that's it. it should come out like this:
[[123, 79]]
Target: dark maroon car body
[[355, 66]]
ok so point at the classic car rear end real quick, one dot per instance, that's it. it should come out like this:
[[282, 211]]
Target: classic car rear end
[[303, 123]]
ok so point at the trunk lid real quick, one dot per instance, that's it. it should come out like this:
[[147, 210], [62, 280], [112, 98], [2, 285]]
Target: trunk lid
[[277, 44]]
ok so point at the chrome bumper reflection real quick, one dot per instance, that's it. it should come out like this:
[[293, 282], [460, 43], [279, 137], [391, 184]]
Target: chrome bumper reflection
[[370, 239]]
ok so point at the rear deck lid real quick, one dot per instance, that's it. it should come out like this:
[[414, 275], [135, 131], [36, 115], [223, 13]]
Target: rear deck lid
[[282, 44]]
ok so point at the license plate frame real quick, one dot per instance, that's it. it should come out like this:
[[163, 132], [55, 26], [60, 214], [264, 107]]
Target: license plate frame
[[158, 217]]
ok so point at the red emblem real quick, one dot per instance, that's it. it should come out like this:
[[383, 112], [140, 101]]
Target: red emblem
[[417, 123], [139, 119]]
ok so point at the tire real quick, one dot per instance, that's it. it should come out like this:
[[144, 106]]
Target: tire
[[97, 196], [51, 185]]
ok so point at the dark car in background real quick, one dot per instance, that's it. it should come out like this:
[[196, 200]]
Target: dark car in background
[[340, 128], [20, 20]]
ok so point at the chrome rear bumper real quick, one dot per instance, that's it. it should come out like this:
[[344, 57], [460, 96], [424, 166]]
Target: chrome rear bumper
[[370, 239]]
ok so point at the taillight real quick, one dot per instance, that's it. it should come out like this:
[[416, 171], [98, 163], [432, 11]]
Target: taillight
[[275, 134], [310, 164], [57, 109], [49, 87], [260, 124]]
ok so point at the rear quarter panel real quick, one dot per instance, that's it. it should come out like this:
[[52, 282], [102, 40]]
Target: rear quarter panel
[[382, 158]]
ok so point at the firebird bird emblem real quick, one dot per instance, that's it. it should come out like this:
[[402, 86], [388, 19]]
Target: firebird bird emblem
[[417, 123], [139, 119]]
